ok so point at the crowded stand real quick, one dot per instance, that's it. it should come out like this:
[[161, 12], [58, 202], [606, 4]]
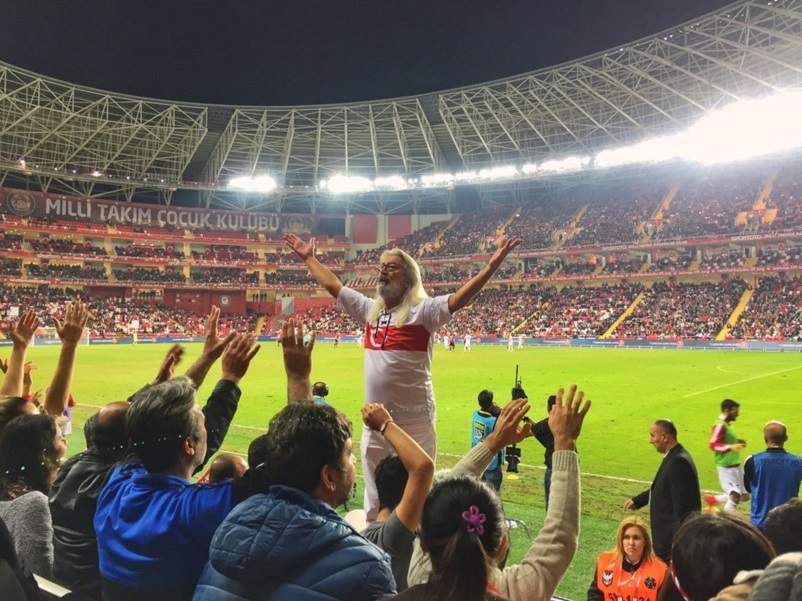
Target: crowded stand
[[789, 257], [497, 311], [683, 310], [539, 223], [145, 275], [709, 207], [579, 267], [723, 261], [225, 275], [147, 252], [674, 262], [773, 313], [472, 234], [56, 246], [580, 312], [10, 242], [328, 321], [289, 278], [10, 268], [625, 266], [609, 220], [47, 271]]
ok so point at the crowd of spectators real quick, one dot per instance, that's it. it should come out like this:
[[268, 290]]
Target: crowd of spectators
[[683, 310], [225, 275], [56, 246], [678, 262], [289, 278], [722, 261], [623, 267], [329, 321], [474, 233], [150, 275], [609, 219], [148, 252], [773, 256], [581, 312], [709, 207], [218, 253], [10, 268], [49, 271], [497, 311], [579, 268], [541, 223], [10, 242], [773, 313]]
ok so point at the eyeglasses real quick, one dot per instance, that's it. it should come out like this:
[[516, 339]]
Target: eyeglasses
[[390, 267]]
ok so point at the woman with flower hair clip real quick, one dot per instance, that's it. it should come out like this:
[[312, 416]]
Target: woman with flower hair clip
[[462, 530]]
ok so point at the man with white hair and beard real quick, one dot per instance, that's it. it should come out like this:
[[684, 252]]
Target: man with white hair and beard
[[400, 322]]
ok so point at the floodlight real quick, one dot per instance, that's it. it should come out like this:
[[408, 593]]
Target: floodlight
[[261, 183], [344, 184]]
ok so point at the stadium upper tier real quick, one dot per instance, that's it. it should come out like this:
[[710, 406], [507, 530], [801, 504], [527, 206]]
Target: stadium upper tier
[[741, 219], [56, 135]]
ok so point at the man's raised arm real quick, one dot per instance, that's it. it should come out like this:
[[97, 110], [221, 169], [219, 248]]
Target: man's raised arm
[[324, 275], [469, 289]]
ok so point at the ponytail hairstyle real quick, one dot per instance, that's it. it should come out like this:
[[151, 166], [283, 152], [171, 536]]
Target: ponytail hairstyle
[[461, 528]]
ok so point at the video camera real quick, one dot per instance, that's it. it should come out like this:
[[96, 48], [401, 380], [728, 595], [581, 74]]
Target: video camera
[[513, 453]]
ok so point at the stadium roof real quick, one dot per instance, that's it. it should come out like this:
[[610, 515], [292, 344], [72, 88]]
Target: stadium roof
[[58, 136]]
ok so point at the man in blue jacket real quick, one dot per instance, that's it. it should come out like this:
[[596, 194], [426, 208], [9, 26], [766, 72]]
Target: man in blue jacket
[[773, 476], [290, 544]]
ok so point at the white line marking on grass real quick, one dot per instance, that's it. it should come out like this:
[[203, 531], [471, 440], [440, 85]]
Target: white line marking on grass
[[727, 371], [773, 373]]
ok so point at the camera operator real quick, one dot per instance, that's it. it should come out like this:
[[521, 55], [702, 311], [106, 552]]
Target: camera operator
[[482, 424]]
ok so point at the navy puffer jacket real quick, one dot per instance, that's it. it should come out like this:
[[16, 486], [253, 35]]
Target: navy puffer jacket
[[289, 546]]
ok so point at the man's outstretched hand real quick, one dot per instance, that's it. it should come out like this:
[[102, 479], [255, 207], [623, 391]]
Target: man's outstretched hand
[[566, 417], [170, 362], [22, 332], [509, 429], [305, 250], [297, 355], [72, 328], [504, 246], [237, 357]]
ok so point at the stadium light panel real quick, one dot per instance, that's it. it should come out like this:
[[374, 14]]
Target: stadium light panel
[[344, 184], [260, 183]]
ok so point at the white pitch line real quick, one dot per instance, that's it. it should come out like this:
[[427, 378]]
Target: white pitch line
[[774, 373], [726, 371]]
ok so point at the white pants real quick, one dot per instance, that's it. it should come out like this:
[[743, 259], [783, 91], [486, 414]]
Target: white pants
[[374, 448], [731, 479]]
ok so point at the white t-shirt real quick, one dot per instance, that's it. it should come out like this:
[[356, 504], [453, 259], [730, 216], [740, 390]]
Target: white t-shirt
[[398, 360], [467, 340]]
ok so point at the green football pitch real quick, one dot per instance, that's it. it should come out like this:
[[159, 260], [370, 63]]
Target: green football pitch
[[629, 389]]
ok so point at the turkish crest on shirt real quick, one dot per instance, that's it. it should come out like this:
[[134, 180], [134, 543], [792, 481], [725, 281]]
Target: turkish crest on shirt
[[607, 577]]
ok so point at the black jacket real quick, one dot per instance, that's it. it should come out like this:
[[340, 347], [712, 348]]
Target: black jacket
[[674, 494], [74, 494]]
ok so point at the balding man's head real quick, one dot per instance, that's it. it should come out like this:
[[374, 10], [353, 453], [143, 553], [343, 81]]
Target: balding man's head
[[227, 466], [775, 434], [109, 431]]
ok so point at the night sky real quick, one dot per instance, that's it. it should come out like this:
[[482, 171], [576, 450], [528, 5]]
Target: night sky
[[292, 52]]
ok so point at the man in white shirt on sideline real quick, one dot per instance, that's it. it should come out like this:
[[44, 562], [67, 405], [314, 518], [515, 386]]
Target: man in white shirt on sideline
[[400, 322]]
